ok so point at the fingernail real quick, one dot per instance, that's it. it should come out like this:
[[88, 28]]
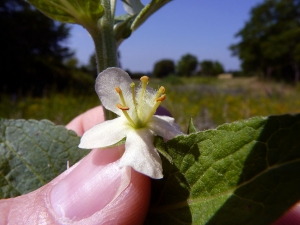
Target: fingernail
[[95, 182]]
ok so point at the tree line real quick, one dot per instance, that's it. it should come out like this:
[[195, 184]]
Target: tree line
[[270, 40], [188, 65], [33, 55]]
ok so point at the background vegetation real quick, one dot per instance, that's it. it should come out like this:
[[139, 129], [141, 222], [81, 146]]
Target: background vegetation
[[40, 78]]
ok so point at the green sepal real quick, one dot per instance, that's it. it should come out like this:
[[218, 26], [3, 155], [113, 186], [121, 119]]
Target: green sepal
[[191, 128]]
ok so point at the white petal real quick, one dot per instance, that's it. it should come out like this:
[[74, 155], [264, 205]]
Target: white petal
[[106, 83], [164, 126], [141, 154], [105, 134], [133, 6]]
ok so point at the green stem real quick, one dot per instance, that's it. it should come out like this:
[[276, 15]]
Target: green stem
[[105, 44]]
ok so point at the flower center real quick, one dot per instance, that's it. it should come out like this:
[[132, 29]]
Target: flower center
[[145, 104]]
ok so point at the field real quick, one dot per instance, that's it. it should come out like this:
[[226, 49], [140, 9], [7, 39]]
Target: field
[[209, 101]]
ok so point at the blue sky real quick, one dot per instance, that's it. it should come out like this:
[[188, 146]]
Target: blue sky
[[204, 28]]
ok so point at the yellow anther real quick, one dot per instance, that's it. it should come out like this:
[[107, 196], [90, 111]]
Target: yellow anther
[[161, 98], [144, 79], [124, 110], [118, 90], [122, 107], [161, 90]]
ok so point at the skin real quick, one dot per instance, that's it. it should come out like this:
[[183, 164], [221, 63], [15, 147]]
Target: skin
[[93, 191]]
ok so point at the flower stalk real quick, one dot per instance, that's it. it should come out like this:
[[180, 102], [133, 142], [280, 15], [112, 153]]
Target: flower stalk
[[105, 44]]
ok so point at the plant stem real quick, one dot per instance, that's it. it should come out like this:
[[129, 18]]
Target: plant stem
[[105, 44]]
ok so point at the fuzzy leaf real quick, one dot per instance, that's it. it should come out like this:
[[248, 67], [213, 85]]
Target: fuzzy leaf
[[32, 153], [246, 172], [84, 12]]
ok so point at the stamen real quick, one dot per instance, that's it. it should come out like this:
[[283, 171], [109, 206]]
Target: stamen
[[144, 81], [160, 91], [161, 98], [122, 107], [158, 102], [132, 85], [124, 110], [119, 91]]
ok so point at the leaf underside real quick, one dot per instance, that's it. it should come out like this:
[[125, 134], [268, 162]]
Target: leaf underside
[[246, 172], [32, 153]]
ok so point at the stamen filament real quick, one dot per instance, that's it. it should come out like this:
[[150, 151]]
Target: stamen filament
[[144, 81], [124, 110], [119, 91], [158, 102]]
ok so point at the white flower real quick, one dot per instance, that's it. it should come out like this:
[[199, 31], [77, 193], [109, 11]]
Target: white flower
[[137, 121], [132, 7]]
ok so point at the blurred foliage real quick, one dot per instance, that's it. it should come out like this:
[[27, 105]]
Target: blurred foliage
[[163, 68], [270, 40], [32, 52], [187, 65], [211, 68], [208, 100]]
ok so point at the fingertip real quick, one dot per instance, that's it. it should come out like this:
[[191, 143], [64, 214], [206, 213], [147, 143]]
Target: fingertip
[[86, 120], [292, 217]]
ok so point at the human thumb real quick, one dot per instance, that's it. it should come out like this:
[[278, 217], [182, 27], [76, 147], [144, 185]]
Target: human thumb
[[94, 191]]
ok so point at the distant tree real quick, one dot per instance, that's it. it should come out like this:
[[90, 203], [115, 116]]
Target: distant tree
[[187, 65], [163, 68], [32, 51], [211, 68], [270, 40]]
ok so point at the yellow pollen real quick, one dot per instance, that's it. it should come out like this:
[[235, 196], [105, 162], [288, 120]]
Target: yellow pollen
[[122, 107], [161, 98]]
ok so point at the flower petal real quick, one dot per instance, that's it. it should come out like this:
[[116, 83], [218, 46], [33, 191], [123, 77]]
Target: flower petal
[[105, 134], [141, 154], [164, 126], [133, 6], [106, 83]]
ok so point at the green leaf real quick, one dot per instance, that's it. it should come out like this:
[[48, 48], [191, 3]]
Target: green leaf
[[147, 11], [32, 153], [160, 146], [84, 12], [246, 172]]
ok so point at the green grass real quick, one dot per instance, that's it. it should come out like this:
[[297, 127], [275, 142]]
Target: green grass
[[209, 101]]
